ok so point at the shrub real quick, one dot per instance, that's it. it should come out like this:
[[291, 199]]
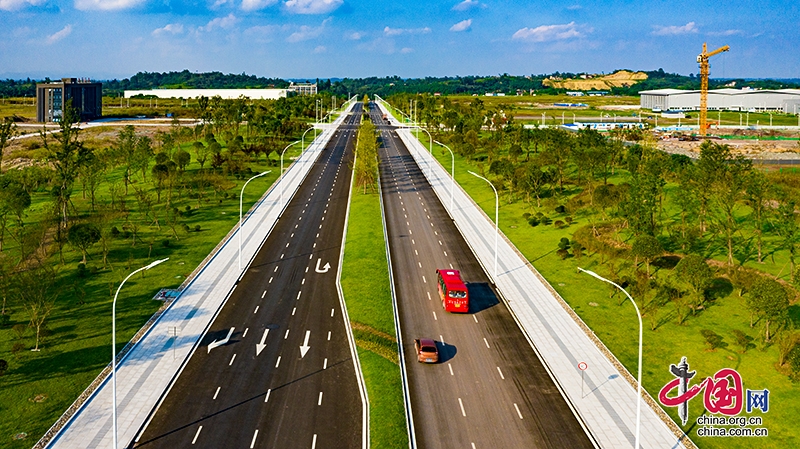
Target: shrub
[[794, 363], [741, 339], [19, 329], [186, 227], [533, 221], [563, 253], [568, 220], [197, 228], [713, 340], [577, 250], [114, 231], [17, 347], [165, 243], [546, 220], [563, 243], [559, 224], [3, 367], [82, 271], [5, 319], [560, 209], [526, 215]]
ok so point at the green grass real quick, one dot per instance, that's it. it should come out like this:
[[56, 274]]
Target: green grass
[[77, 346], [617, 325], [365, 282]]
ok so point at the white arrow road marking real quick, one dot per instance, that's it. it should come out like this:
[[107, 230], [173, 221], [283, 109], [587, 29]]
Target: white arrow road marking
[[260, 346], [304, 349], [324, 269], [221, 342]]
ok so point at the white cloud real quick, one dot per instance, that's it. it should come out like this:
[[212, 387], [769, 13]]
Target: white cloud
[[320, 49], [398, 31], [355, 36], [547, 33], [406, 50], [254, 5], [574, 7], [13, 5], [105, 5], [220, 22], [462, 26], [312, 6], [171, 28], [306, 32], [468, 4], [674, 30], [727, 33], [219, 3], [59, 35]]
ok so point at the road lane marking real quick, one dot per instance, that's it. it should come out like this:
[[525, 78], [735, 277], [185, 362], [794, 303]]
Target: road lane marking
[[263, 294], [269, 390], [440, 243], [306, 269], [429, 295], [254, 311], [501, 373], [314, 442], [319, 402], [245, 332], [282, 256], [486, 341], [329, 335], [286, 335], [413, 242], [276, 268], [287, 245], [295, 310], [216, 393], [332, 310], [518, 413], [434, 317], [232, 359], [302, 283], [291, 236], [451, 369], [420, 264], [423, 280], [253, 443], [475, 318], [463, 413], [310, 256], [298, 294], [315, 245], [473, 445], [270, 280], [416, 253], [278, 363], [197, 434], [325, 364]]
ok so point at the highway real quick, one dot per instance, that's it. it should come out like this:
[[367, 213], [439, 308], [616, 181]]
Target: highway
[[286, 378], [489, 389]]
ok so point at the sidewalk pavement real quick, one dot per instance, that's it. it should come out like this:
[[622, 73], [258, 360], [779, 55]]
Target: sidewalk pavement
[[607, 404], [147, 371]]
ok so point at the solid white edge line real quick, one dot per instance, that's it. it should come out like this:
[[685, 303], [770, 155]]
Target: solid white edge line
[[349, 330]]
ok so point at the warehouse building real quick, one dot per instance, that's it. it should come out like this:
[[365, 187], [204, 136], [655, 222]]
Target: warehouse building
[[226, 94], [85, 96], [782, 100]]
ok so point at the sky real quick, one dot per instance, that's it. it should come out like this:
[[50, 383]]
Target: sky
[[295, 39]]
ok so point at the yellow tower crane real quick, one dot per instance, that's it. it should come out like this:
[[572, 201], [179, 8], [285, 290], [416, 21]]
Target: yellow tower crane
[[702, 59]]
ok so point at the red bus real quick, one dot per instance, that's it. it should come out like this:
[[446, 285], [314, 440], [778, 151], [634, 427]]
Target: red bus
[[452, 291]]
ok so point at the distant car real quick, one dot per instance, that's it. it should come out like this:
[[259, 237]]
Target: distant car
[[426, 350]]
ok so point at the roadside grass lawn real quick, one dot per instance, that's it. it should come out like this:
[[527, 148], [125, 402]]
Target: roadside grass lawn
[[76, 345], [366, 287], [614, 320]]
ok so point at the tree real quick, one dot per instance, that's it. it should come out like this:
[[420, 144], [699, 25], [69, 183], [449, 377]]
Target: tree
[[182, 159], [713, 340], [648, 248], [3, 367], [769, 300], [200, 153], [757, 190], [695, 272], [36, 289], [14, 200], [8, 129], [83, 236]]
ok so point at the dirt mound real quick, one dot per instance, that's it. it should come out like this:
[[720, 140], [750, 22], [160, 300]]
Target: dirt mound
[[621, 78]]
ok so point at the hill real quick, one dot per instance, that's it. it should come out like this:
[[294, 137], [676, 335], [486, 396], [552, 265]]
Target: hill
[[621, 78]]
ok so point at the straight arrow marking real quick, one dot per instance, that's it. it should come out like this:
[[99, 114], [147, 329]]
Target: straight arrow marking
[[260, 346], [304, 349]]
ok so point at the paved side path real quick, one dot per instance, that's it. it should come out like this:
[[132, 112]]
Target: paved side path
[[148, 369], [608, 405]]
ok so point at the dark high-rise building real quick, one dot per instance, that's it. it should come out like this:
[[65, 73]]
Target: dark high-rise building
[[86, 97]]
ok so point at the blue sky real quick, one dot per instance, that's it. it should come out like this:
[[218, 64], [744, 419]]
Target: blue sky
[[360, 38]]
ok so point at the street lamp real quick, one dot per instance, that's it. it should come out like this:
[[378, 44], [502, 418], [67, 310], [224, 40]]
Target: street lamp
[[114, 344], [639, 374], [496, 218], [452, 171], [302, 142], [240, 214], [281, 179]]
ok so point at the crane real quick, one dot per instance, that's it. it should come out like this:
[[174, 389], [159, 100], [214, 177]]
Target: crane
[[702, 59]]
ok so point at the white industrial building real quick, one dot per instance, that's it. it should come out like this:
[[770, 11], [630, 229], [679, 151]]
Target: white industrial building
[[783, 100], [228, 94]]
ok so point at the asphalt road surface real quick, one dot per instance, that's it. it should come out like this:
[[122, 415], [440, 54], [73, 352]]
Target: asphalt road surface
[[489, 389], [298, 390]]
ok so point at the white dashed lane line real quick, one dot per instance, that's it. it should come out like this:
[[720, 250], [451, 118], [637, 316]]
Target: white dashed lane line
[[216, 393], [197, 434], [501, 373]]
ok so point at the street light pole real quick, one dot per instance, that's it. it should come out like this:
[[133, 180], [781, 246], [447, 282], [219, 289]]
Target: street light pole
[[496, 218], [302, 138], [114, 346], [240, 214], [639, 373], [281, 178], [452, 172]]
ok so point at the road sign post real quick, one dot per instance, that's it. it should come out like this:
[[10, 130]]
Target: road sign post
[[582, 366]]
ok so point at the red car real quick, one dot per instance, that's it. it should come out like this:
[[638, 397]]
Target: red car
[[426, 350]]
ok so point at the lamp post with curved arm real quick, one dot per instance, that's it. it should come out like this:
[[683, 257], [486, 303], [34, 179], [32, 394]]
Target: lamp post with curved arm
[[639, 371], [114, 345], [240, 214], [496, 218], [281, 178], [302, 138], [452, 172]]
